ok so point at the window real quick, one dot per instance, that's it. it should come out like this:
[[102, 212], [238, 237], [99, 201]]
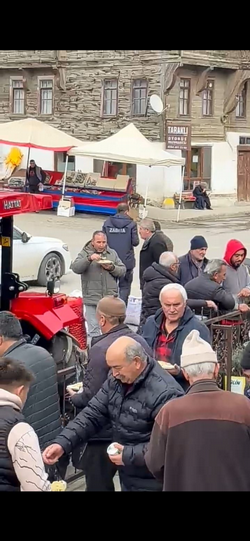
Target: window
[[240, 111], [244, 141], [46, 96], [60, 161], [17, 97], [197, 166], [184, 97], [139, 96], [207, 98], [110, 97]]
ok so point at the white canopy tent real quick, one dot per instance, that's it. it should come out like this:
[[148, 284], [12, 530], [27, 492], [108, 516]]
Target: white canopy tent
[[129, 146]]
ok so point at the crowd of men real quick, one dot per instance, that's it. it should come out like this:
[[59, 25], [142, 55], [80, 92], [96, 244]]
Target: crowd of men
[[153, 392]]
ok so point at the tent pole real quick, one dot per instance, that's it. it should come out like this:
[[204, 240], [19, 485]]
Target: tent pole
[[65, 174], [181, 190], [145, 198], [27, 165]]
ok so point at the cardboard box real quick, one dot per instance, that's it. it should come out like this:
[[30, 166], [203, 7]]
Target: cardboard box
[[67, 212]]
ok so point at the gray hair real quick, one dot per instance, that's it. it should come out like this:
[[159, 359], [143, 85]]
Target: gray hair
[[167, 259], [147, 223], [200, 369], [135, 350], [177, 287], [214, 266]]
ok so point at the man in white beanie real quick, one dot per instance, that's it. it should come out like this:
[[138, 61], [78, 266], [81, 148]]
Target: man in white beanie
[[201, 442]]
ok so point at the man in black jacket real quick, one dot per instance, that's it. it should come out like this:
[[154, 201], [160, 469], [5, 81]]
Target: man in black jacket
[[130, 399], [121, 232], [111, 314], [153, 246], [194, 262], [208, 285], [156, 277], [41, 409]]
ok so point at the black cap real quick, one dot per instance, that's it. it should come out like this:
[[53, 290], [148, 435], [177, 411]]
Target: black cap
[[245, 359], [198, 242]]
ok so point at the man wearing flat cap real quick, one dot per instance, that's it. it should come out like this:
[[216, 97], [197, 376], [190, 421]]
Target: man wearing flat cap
[[201, 442], [111, 313], [194, 262]]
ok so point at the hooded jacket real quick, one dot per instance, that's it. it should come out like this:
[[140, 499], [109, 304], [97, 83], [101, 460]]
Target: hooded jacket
[[96, 281], [188, 323], [131, 412], [122, 235], [155, 278], [236, 279]]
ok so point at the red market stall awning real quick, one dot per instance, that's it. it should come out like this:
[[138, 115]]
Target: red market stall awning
[[19, 203]]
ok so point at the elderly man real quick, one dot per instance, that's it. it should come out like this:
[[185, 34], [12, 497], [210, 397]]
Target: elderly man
[[129, 399], [201, 442], [111, 314], [160, 274], [166, 331], [122, 236], [237, 280], [194, 262], [100, 268], [208, 285], [153, 246]]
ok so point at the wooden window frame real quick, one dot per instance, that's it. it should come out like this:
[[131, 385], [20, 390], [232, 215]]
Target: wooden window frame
[[56, 159], [141, 99], [244, 92], [206, 99], [39, 102], [103, 114], [185, 115], [11, 102]]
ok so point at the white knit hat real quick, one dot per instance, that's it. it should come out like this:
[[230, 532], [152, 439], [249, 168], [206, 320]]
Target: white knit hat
[[196, 350]]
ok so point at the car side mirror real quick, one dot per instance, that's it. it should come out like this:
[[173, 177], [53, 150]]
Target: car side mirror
[[25, 237]]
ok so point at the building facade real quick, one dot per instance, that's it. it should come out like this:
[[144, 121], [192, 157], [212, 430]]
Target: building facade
[[92, 94]]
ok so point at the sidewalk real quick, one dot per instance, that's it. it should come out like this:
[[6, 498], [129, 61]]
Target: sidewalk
[[170, 215]]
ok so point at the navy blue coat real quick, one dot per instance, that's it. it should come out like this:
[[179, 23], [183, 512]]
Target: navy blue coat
[[188, 323], [188, 270], [122, 236], [131, 413]]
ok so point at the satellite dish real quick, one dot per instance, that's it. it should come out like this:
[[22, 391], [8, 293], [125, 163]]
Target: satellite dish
[[156, 103]]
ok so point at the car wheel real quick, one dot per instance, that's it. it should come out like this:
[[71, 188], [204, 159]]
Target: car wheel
[[52, 265]]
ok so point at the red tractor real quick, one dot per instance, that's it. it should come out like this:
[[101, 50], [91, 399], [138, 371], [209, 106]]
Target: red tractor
[[49, 318]]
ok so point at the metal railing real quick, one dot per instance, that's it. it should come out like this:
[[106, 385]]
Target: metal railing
[[229, 334]]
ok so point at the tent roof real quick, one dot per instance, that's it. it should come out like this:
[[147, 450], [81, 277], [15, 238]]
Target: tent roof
[[128, 146], [35, 134]]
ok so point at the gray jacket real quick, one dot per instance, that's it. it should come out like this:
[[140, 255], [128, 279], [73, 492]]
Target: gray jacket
[[96, 281], [41, 409]]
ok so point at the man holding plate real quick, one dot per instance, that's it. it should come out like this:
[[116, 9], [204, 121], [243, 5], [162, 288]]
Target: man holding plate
[[100, 268]]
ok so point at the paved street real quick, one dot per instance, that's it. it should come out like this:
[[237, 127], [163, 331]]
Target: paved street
[[76, 231], [217, 229]]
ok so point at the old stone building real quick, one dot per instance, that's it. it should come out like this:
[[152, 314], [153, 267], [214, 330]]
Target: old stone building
[[92, 94]]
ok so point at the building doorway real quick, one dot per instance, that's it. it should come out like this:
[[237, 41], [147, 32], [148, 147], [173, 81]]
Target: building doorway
[[243, 173], [197, 167]]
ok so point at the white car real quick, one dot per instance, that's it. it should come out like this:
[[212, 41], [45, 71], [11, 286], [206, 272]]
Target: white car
[[39, 258]]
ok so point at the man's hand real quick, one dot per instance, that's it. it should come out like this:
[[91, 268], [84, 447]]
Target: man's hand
[[211, 304], [70, 392], [243, 308], [117, 459], [245, 292], [109, 267], [95, 257], [175, 371], [52, 454]]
